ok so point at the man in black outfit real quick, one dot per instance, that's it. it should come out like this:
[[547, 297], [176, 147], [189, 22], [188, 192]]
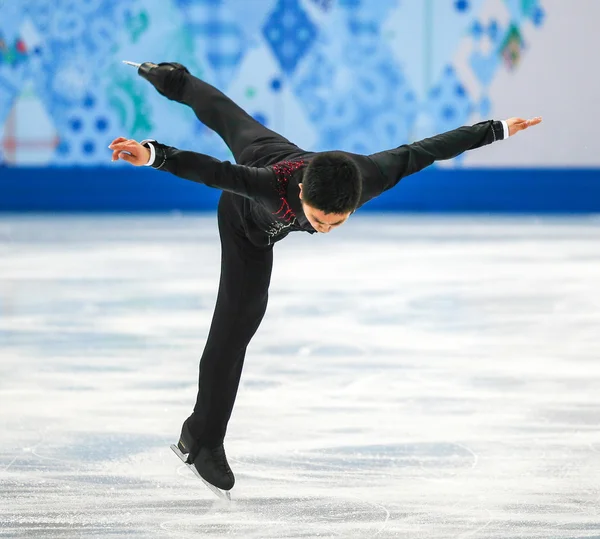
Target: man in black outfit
[[275, 188]]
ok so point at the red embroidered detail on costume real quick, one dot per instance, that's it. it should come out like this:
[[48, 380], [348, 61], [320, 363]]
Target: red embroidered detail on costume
[[283, 172]]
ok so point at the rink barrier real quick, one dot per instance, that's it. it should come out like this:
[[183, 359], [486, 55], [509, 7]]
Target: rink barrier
[[121, 189]]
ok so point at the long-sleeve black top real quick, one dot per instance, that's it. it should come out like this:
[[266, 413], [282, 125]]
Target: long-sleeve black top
[[272, 205]]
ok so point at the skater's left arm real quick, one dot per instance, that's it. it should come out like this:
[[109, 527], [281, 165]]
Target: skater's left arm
[[250, 182], [406, 160]]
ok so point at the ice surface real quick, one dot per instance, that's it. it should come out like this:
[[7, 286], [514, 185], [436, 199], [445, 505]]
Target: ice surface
[[414, 377]]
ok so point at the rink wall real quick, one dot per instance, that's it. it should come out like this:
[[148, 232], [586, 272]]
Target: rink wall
[[355, 75], [435, 190]]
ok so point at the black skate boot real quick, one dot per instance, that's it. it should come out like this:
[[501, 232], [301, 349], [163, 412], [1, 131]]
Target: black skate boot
[[187, 442], [168, 78], [213, 467], [210, 463]]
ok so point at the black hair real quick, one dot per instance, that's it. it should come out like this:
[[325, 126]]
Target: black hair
[[332, 183]]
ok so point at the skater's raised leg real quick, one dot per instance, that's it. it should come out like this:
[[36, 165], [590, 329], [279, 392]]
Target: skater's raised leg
[[212, 107]]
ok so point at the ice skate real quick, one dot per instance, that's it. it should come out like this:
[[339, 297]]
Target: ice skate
[[209, 464], [167, 78]]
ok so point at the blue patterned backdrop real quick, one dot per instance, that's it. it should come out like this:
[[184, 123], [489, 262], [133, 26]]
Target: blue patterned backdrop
[[359, 75]]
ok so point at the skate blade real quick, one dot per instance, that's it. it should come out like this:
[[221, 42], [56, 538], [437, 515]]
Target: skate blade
[[223, 494], [132, 64]]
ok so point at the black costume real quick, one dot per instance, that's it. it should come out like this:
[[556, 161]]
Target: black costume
[[259, 206]]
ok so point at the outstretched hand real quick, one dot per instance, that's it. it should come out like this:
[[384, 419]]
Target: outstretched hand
[[519, 124], [129, 150]]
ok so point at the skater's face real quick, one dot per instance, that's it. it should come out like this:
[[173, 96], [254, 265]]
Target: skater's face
[[321, 221]]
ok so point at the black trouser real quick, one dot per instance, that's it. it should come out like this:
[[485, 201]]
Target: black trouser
[[245, 268]]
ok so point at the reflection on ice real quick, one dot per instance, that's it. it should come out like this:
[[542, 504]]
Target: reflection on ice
[[414, 377]]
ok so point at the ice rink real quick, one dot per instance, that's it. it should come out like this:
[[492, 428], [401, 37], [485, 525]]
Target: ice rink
[[415, 377]]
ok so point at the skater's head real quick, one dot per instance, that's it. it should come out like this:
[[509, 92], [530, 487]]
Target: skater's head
[[330, 190]]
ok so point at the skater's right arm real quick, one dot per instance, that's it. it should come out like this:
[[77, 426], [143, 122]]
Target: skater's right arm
[[251, 182]]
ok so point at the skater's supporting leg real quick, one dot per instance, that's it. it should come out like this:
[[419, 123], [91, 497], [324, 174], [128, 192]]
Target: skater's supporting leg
[[241, 305]]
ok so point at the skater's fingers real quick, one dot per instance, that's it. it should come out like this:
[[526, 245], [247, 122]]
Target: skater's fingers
[[119, 139], [126, 145], [534, 121], [127, 157], [519, 124]]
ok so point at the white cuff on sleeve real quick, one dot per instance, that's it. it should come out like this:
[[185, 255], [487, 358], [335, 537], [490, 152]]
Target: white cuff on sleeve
[[506, 130], [152, 152]]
